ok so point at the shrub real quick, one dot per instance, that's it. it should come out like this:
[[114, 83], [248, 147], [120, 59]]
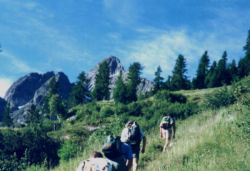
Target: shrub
[[106, 111], [22, 148], [68, 150], [219, 98], [134, 109], [121, 109], [170, 97]]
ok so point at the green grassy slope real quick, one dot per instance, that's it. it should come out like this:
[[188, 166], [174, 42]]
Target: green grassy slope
[[213, 140], [209, 140]]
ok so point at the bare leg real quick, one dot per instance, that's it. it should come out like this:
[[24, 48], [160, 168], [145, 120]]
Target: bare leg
[[135, 164], [168, 137]]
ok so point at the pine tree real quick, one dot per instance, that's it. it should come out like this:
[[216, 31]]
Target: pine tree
[[212, 77], [33, 116], [80, 92], [102, 80], [233, 70], [199, 81], [133, 81], [7, 121], [179, 79], [223, 75], [120, 90], [158, 80], [244, 63], [52, 89]]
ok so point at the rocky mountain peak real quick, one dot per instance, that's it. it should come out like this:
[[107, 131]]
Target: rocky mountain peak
[[23, 90], [114, 64], [115, 67]]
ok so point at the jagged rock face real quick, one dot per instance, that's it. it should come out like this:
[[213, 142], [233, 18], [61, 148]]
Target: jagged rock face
[[2, 107], [115, 68], [64, 88], [23, 90], [31, 89]]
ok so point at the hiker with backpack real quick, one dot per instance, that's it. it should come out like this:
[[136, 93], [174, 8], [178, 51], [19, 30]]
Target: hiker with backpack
[[118, 152], [166, 126], [96, 162], [132, 134]]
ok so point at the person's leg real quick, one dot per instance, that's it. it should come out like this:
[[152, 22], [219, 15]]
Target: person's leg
[[135, 164], [167, 136]]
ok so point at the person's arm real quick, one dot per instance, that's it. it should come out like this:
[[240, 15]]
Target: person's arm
[[174, 129], [144, 141], [129, 164]]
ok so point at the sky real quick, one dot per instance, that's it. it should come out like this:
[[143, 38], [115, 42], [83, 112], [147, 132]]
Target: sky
[[74, 35]]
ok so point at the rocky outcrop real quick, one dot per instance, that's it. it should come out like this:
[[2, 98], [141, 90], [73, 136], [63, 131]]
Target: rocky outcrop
[[2, 107], [22, 91], [31, 89], [115, 68], [64, 88]]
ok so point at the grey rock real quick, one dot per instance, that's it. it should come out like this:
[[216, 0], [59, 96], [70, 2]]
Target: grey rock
[[23, 90], [31, 89], [64, 88], [115, 68], [3, 104]]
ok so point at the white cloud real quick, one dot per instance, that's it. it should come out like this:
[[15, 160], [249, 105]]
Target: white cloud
[[5, 83], [16, 64], [162, 48], [123, 12]]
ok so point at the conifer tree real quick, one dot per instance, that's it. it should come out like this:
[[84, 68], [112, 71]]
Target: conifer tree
[[52, 89], [80, 92], [102, 81], [7, 121], [33, 116], [244, 63], [120, 90], [199, 81], [158, 80], [133, 81], [222, 71], [233, 70], [212, 77], [179, 79]]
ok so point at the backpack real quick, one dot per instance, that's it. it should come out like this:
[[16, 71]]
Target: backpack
[[112, 147], [133, 133], [95, 164], [166, 122]]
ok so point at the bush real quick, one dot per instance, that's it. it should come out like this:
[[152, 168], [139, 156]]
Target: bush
[[22, 148], [106, 111], [68, 150], [134, 109], [219, 98], [121, 109], [170, 97]]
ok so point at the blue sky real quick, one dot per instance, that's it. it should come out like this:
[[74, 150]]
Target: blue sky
[[74, 35]]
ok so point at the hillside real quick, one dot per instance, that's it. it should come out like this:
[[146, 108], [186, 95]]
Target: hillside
[[212, 139]]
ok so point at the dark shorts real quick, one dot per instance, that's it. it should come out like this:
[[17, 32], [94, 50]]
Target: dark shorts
[[136, 151]]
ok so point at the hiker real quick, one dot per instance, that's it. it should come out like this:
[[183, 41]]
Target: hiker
[[119, 152], [166, 126], [96, 162], [132, 134]]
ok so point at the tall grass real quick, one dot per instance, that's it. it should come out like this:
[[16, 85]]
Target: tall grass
[[212, 140], [209, 141]]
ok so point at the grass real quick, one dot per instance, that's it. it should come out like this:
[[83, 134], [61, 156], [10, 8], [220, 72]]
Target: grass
[[209, 141], [212, 140]]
